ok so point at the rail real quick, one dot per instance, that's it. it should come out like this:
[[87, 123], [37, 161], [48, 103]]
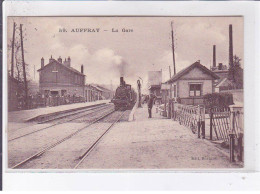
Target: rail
[[38, 154]]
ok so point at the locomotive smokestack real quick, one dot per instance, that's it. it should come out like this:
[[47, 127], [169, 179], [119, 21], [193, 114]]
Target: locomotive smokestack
[[121, 81]]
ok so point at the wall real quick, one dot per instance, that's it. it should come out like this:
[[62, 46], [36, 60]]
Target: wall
[[183, 87], [222, 74], [63, 75], [154, 78], [196, 73], [71, 90]]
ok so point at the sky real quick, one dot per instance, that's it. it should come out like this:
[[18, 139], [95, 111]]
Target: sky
[[107, 55]]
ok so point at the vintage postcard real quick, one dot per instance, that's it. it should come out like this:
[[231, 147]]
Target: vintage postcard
[[138, 93]]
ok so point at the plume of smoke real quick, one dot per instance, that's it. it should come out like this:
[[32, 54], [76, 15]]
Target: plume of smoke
[[122, 67]]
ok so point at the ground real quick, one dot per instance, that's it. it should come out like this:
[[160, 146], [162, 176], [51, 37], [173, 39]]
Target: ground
[[142, 143], [156, 143]]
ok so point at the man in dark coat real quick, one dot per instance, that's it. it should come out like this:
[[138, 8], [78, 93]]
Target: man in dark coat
[[150, 104]]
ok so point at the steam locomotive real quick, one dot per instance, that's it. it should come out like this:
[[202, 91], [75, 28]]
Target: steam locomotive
[[125, 96]]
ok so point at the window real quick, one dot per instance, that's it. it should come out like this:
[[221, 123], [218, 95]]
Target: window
[[195, 89]]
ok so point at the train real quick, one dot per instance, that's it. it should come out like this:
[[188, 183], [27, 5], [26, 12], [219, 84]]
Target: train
[[125, 97]]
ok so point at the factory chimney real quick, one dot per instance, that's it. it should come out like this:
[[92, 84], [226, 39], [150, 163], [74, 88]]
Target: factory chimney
[[42, 62], [214, 56], [230, 47], [82, 69]]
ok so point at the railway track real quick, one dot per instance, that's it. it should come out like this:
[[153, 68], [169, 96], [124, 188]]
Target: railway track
[[85, 154], [79, 114]]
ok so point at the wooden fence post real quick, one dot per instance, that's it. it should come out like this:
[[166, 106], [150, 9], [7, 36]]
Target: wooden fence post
[[240, 147], [198, 121], [169, 109], [232, 147], [203, 122], [173, 113], [211, 123]]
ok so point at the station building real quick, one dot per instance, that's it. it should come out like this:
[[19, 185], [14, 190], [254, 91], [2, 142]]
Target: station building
[[190, 84], [58, 78]]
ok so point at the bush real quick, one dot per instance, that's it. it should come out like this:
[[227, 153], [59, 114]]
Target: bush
[[221, 100]]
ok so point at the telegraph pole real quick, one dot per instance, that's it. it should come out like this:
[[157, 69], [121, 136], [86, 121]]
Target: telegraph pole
[[231, 50], [173, 54], [12, 59], [170, 72], [24, 71]]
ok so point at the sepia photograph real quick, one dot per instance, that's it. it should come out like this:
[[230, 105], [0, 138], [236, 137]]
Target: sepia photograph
[[125, 93]]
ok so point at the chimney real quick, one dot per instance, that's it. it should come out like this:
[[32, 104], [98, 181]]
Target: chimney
[[214, 56], [82, 69], [60, 60], [220, 66], [69, 61], [121, 81], [230, 46], [51, 59], [42, 62]]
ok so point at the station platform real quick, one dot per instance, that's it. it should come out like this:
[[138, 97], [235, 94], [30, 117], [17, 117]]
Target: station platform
[[154, 143], [26, 115]]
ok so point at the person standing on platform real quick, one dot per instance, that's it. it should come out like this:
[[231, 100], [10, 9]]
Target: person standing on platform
[[150, 104]]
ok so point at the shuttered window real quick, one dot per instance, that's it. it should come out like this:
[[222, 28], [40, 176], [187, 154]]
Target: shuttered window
[[195, 89]]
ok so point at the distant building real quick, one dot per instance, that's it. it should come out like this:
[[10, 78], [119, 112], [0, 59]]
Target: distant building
[[190, 84], [95, 92], [105, 93], [92, 93], [222, 72], [154, 83], [58, 78]]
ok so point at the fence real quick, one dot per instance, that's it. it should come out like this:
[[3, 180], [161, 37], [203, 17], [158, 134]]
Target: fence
[[39, 101], [227, 124], [219, 122], [190, 116]]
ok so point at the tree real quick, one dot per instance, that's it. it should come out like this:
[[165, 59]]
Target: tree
[[18, 63], [235, 73]]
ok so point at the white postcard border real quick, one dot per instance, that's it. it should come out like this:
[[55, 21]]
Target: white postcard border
[[147, 180]]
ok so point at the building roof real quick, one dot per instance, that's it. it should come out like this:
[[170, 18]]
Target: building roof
[[224, 82], [69, 68], [154, 87], [187, 69]]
